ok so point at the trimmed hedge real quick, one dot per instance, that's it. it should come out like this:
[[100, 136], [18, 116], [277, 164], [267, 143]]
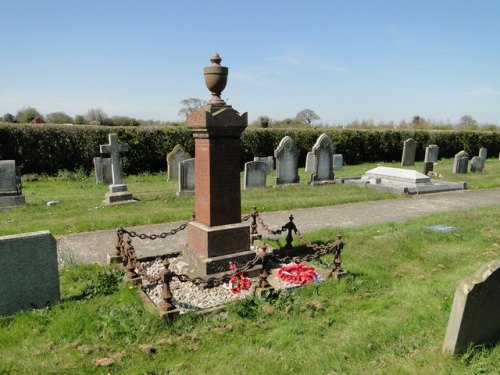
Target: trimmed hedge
[[50, 148]]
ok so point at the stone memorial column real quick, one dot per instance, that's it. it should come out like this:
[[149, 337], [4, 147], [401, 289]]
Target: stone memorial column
[[217, 236]]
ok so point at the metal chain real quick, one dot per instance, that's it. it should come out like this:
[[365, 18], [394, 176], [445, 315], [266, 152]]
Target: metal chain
[[144, 236], [266, 228], [309, 244]]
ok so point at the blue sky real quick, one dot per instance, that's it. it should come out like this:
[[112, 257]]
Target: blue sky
[[346, 60]]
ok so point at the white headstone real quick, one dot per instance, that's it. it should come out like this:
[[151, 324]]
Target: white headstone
[[255, 174], [431, 153], [287, 162], [323, 151], [102, 168], [310, 162], [483, 153], [174, 157], [409, 150], [269, 160], [186, 177], [338, 162], [477, 164]]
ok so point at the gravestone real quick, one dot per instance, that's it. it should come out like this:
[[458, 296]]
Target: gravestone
[[254, 175], [102, 167], [338, 162], [409, 150], [475, 313], [11, 194], [287, 162], [323, 151], [174, 157], [428, 167], [269, 160], [29, 277], [460, 162], [309, 162], [117, 190], [476, 164], [431, 153], [186, 170], [483, 154]]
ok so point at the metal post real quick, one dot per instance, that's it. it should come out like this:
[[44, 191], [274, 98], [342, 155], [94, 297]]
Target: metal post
[[166, 294]]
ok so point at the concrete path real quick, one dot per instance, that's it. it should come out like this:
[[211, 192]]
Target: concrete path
[[93, 246]]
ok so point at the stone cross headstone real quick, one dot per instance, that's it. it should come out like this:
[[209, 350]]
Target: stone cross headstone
[[287, 162], [10, 185], [269, 160], [460, 162], [323, 151], [483, 153], [29, 277], [338, 162], [255, 174], [409, 150], [475, 313], [186, 177], [476, 164], [309, 162], [102, 168], [117, 190], [174, 157], [431, 153]]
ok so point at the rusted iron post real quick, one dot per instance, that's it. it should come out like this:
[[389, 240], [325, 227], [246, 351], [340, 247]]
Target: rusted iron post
[[337, 270], [264, 272], [130, 259], [290, 227], [119, 243], [253, 227], [166, 294]]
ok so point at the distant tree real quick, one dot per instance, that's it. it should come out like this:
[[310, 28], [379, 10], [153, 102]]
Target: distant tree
[[80, 120], [96, 116], [418, 122], [59, 118], [124, 121], [306, 116], [27, 114], [9, 117], [189, 105], [263, 121], [467, 122]]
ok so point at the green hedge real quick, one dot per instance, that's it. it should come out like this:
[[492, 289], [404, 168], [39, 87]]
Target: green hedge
[[50, 148]]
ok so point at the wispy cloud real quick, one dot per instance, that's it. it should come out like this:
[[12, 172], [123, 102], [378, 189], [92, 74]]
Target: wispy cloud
[[332, 68], [483, 91]]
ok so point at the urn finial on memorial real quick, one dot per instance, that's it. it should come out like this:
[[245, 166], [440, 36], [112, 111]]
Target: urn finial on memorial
[[216, 79]]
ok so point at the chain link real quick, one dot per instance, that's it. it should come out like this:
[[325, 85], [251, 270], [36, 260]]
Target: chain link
[[153, 236]]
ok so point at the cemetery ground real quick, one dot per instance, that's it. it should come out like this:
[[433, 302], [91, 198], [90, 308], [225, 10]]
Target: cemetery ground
[[80, 207], [389, 315]]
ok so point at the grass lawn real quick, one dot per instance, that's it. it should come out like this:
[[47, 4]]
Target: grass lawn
[[80, 199], [388, 316]]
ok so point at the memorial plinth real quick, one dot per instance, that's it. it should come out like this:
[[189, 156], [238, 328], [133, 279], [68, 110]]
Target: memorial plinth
[[217, 236]]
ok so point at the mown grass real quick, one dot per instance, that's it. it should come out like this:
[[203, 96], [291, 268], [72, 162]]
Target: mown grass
[[388, 316], [80, 199]]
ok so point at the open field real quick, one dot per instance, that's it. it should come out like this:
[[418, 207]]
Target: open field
[[388, 316], [81, 210]]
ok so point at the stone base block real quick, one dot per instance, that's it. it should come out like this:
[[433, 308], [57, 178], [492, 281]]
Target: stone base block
[[12, 201], [117, 188], [114, 258], [120, 197]]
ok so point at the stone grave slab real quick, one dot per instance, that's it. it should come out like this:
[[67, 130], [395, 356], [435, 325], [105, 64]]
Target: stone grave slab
[[186, 177], [269, 160], [323, 151], [310, 160], [338, 162], [403, 181], [475, 313], [483, 153], [287, 162], [102, 168], [477, 164], [409, 150], [29, 277], [431, 153], [255, 174], [174, 157], [10, 185], [460, 162]]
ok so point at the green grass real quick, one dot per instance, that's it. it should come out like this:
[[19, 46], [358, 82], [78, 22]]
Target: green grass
[[80, 199], [388, 316]]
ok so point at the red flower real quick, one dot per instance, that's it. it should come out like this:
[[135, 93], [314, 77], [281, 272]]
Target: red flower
[[297, 274], [239, 282]]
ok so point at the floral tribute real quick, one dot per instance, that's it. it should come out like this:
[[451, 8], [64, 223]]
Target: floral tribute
[[238, 282], [297, 274]]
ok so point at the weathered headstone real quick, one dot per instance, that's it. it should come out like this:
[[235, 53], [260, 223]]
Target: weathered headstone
[[254, 175], [476, 164], [310, 162], [186, 177], [11, 194], [102, 168], [409, 150], [117, 190], [431, 153], [29, 277], [323, 151], [475, 313], [174, 157], [428, 167], [287, 162], [338, 162], [461, 162], [269, 160], [483, 154]]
